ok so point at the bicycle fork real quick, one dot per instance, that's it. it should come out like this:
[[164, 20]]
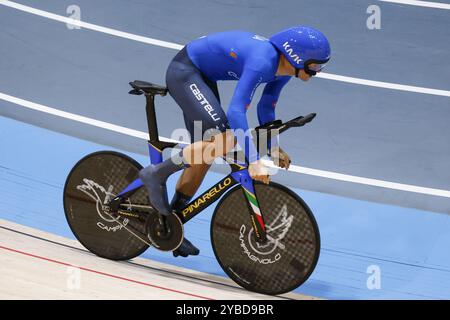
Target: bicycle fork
[[247, 183]]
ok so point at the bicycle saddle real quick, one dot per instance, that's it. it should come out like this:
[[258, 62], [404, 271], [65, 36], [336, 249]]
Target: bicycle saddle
[[139, 87]]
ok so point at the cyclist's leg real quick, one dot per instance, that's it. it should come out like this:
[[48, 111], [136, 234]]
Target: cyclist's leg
[[192, 177], [199, 99], [200, 102], [185, 84], [189, 181]]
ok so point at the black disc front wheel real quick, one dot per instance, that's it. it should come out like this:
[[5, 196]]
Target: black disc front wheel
[[286, 259], [92, 183]]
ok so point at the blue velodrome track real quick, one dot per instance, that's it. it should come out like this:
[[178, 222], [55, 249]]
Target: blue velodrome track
[[391, 135], [410, 246]]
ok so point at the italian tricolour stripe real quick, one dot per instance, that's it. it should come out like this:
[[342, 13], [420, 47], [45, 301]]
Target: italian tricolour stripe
[[255, 207]]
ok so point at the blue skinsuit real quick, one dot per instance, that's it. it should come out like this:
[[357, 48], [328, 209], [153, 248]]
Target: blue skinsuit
[[234, 55]]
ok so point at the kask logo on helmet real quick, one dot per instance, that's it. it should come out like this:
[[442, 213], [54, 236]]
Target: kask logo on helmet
[[290, 52], [301, 44]]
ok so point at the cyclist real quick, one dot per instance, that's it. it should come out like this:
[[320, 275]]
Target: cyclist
[[192, 77]]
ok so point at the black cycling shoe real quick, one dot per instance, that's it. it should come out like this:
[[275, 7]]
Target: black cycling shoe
[[186, 249], [154, 178], [156, 188]]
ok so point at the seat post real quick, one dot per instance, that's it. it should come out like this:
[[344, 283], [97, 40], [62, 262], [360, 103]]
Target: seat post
[[156, 146], [151, 119]]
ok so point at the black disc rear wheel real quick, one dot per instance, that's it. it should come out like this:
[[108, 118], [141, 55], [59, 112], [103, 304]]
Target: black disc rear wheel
[[93, 181], [290, 255]]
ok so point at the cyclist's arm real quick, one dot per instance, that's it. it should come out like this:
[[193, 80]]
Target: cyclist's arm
[[267, 103], [236, 113]]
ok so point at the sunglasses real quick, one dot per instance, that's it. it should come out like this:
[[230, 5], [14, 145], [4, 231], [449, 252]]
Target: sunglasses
[[312, 67]]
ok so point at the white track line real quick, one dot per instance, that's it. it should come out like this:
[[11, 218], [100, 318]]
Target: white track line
[[78, 118], [385, 85], [436, 5], [369, 181], [293, 168], [90, 26], [160, 43]]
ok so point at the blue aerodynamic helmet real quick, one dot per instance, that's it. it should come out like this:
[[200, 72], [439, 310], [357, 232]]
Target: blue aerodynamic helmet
[[303, 46]]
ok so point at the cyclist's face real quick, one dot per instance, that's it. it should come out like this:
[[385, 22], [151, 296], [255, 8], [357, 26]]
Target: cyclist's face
[[285, 68], [303, 75]]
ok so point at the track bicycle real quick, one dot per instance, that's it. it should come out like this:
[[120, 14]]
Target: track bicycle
[[264, 237]]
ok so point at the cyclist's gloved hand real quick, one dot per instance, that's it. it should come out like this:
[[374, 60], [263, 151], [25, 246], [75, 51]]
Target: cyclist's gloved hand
[[258, 171], [280, 158]]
